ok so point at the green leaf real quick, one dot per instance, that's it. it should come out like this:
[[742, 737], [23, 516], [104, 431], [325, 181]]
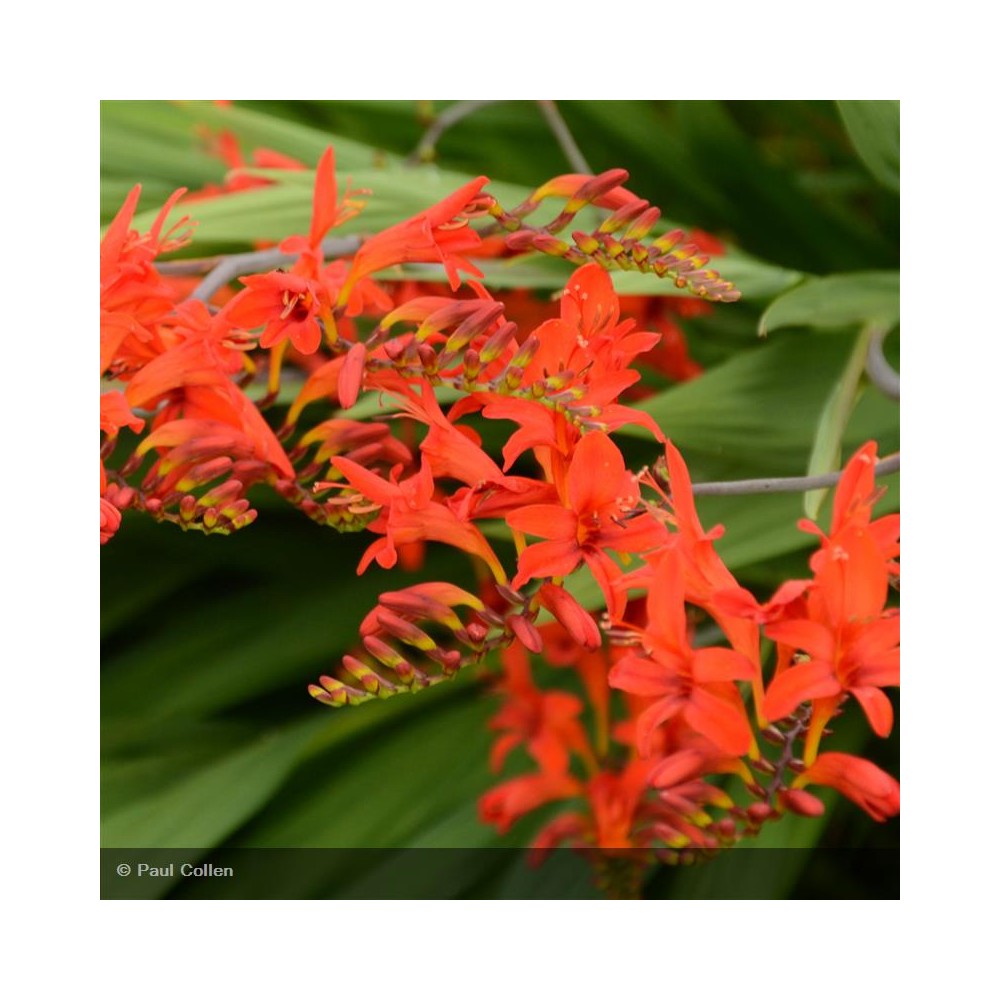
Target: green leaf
[[285, 207], [874, 129], [836, 301], [386, 788], [212, 801], [759, 408], [833, 420]]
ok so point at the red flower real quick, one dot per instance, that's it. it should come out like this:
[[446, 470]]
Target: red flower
[[410, 514], [507, 803], [599, 493], [546, 721], [440, 234], [706, 576], [860, 780], [851, 641], [134, 296], [291, 305], [694, 683], [116, 414], [111, 519]]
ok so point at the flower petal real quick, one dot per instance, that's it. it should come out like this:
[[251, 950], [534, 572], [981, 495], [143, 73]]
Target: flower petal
[[643, 676], [655, 715], [547, 559], [596, 472], [877, 708], [546, 520], [719, 721], [719, 664], [797, 684]]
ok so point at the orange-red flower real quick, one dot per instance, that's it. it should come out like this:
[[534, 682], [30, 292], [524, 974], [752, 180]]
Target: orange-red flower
[[134, 296], [706, 576], [694, 683], [860, 780], [409, 513], [439, 234], [547, 722], [508, 802], [111, 519], [600, 499], [292, 305], [852, 642]]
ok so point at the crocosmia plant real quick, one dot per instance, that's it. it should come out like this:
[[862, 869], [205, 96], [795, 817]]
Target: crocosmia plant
[[615, 538]]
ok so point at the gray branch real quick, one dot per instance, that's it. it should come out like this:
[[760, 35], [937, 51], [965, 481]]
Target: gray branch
[[437, 128], [564, 137], [883, 376], [231, 267], [195, 265], [788, 484]]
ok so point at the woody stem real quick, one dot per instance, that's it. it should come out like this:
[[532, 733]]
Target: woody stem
[[786, 484], [883, 376], [444, 121], [786, 756], [222, 270], [564, 137]]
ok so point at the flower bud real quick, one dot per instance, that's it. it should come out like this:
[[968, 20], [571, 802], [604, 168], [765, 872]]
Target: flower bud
[[587, 243], [571, 615], [352, 375], [203, 473], [494, 347], [665, 244], [596, 187], [471, 365], [804, 803], [525, 630], [547, 243], [335, 698], [404, 630], [367, 677], [111, 520], [625, 215], [643, 224]]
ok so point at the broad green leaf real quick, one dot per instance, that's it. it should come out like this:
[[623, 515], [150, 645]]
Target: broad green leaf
[[759, 408], [836, 301], [565, 874], [211, 802], [255, 128], [825, 456], [124, 604], [285, 208], [874, 129], [262, 612], [178, 129], [382, 791], [766, 203], [131, 774]]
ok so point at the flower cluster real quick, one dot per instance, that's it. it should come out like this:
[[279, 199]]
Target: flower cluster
[[658, 743]]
